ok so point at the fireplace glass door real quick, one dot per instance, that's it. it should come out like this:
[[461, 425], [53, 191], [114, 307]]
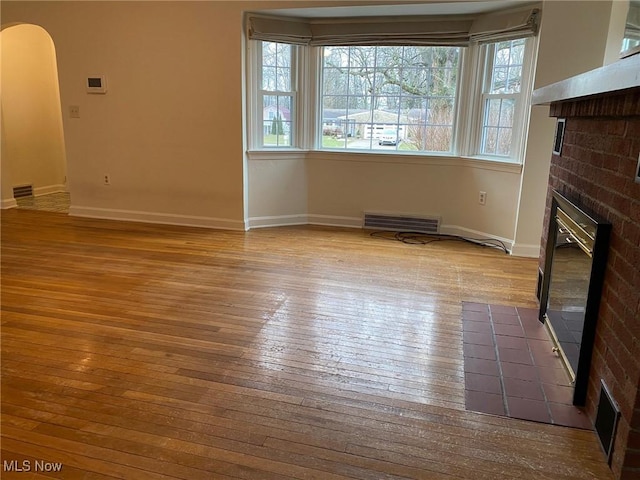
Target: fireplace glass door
[[570, 273], [575, 260]]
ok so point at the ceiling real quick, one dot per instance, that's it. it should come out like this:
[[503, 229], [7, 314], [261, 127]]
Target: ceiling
[[450, 7]]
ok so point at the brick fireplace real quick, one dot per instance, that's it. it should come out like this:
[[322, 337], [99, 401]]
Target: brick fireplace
[[597, 167]]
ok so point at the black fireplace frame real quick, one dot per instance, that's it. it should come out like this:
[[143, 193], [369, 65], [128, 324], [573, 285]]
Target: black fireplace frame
[[601, 231]]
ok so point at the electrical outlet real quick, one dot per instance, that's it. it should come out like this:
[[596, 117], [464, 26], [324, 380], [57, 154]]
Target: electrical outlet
[[107, 179], [482, 198], [74, 111]]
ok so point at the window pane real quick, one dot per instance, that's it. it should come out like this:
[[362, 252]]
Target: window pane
[[335, 81], [498, 126], [492, 115], [506, 73], [387, 81], [333, 141], [413, 109], [438, 139], [283, 57], [276, 121], [514, 80], [517, 52], [331, 102], [506, 113], [269, 78], [504, 141], [394, 95], [490, 141], [358, 104], [283, 79], [359, 81], [269, 52], [440, 111], [276, 66], [337, 57]]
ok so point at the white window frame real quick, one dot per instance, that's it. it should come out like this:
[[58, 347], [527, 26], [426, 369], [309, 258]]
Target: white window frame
[[468, 117], [257, 94], [400, 128], [483, 67]]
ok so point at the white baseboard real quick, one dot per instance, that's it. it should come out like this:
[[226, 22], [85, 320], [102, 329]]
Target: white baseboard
[[475, 235], [8, 203], [277, 221], [524, 250], [335, 221], [160, 218], [38, 191], [265, 222], [302, 219]]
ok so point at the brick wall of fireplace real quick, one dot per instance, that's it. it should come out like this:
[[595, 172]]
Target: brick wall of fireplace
[[597, 167]]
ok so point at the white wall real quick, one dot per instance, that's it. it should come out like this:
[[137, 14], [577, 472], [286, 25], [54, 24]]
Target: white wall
[[347, 186], [566, 48], [169, 131], [277, 190], [33, 151]]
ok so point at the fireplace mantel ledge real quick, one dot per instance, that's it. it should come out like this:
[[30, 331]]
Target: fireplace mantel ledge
[[621, 75]]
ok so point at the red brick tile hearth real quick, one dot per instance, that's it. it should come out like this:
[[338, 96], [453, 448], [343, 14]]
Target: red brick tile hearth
[[502, 376]]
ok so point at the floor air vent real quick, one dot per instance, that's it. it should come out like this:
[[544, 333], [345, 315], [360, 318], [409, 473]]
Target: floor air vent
[[607, 417], [401, 223], [23, 191]]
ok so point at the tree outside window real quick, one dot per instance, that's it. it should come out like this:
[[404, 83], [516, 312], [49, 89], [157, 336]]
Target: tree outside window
[[368, 90]]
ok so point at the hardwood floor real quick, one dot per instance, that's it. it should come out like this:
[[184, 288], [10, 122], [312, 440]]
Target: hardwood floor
[[145, 352]]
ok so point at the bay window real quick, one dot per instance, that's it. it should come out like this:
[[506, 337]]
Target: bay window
[[464, 93]]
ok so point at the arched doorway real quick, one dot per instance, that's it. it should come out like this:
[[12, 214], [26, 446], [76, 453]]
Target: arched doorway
[[33, 149]]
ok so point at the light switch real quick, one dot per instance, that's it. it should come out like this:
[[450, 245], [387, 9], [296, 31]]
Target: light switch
[[74, 111]]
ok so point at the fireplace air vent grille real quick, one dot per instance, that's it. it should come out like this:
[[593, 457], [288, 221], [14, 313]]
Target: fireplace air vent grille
[[607, 417]]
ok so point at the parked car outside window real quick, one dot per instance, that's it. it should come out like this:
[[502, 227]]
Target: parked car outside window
[[388, 137]]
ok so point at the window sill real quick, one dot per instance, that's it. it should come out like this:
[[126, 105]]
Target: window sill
[[277, 154], [484, 163]]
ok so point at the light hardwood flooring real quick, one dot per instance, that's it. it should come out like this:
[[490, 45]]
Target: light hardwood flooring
[[145, 352]]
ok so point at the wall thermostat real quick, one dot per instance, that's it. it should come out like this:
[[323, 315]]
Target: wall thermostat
[[96, 84]]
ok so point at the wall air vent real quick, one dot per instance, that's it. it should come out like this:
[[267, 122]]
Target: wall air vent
[[401, 223], [23, 191], [607, 417]]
